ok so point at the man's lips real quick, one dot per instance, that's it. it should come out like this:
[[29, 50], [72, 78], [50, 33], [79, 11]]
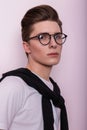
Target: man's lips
[[53, 54]]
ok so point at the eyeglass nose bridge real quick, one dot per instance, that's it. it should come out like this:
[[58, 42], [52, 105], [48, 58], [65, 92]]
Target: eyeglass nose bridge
[[52, 36]]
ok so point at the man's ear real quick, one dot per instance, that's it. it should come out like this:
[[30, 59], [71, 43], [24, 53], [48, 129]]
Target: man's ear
[[26, 47]]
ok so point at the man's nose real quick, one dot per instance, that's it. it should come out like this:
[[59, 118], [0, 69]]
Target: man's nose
[[52, 42]]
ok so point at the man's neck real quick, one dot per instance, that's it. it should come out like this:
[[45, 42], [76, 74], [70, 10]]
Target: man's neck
[[42, 71]]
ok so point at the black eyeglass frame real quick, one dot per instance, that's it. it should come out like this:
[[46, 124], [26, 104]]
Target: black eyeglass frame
[[37, 37]]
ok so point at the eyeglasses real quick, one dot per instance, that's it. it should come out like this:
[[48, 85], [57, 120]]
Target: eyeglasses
[[45, 38]]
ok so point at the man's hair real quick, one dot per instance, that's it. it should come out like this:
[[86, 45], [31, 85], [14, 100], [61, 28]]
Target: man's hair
[[35, 15]]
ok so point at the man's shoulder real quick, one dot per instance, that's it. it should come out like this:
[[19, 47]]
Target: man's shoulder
[[12, 83], [12, 80]]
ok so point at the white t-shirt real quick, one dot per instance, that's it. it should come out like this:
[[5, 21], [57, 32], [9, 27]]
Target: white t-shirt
[[21, 106]]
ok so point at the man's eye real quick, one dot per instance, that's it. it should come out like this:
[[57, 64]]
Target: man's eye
[[41, 36], [58, 36]]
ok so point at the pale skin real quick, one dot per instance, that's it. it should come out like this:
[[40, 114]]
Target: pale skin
[[42, 58]]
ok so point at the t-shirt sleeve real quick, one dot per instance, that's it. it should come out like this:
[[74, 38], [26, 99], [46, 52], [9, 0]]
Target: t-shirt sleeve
[[11, 93]]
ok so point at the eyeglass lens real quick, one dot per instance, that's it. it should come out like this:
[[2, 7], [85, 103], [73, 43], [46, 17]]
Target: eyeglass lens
[[45, 38]]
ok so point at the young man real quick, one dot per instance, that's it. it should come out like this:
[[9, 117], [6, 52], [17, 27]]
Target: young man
[[29, 98]]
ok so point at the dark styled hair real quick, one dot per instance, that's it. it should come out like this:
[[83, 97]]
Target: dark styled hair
[[38, 14]]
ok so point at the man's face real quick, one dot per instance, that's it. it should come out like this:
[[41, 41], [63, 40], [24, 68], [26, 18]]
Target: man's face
[[46, 55]]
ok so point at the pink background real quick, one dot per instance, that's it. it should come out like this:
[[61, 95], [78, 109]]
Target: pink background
[[71, 73]]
